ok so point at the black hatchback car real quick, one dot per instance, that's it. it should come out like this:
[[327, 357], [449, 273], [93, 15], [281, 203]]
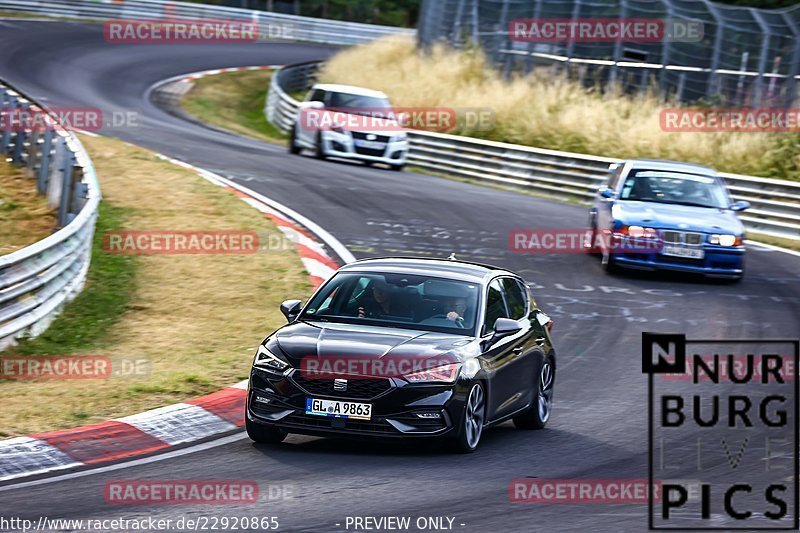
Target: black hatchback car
[[406, 348]]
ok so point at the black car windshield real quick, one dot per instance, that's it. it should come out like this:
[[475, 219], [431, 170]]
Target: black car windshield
[[674, 188], [359, 104], [397, 300]]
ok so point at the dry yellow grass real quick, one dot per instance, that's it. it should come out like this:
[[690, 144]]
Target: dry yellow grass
[[24, 215], [196, 318], [543, 111]]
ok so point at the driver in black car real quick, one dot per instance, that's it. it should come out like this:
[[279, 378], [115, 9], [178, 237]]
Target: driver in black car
[[457, 306]]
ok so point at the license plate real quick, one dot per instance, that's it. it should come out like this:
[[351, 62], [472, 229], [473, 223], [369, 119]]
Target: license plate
[[682, 251], [372, 145], [337, 409]]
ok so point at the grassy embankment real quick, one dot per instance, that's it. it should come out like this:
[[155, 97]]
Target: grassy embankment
[[25, 216], [194, 319]]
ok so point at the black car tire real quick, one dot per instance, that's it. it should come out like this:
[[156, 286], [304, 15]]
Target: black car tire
[[609, 265], [592, 248], [472, 420], [397, 168], [320, 150], [294, 149], [264, 434], [535, 417]]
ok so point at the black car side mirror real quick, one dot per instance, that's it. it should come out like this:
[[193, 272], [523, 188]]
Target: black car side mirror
[[740, 206], [606, 192], [291, 308], [503, 327]]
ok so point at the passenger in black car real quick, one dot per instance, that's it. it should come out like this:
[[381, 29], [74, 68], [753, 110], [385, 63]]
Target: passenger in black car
[[378, 303]]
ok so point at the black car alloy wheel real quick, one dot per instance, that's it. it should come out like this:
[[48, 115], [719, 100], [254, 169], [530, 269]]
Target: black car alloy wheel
[[545, 400], [539, 413], [472, 425]]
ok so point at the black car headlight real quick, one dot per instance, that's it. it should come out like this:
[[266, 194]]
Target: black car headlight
[[441, 374], [269, 361]]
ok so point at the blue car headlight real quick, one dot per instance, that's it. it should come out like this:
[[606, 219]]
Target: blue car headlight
[[638, 232], [724, 239]]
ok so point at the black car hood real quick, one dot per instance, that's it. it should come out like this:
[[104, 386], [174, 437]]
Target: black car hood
[[325, 340]]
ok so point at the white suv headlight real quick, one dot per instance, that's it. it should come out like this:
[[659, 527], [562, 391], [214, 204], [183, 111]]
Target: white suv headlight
[[269, 361]]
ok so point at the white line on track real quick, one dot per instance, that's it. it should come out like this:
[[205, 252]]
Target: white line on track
[[129, 464], [335, 245], [773, 248]]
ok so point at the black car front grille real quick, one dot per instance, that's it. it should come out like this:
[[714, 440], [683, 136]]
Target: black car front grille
[[358, 389], [327, 423]]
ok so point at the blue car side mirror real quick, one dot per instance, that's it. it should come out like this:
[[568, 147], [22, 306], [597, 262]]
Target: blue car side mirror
[[740, 206], [605, 192]]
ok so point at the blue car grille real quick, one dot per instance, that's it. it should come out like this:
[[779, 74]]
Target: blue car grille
[[682, 237]]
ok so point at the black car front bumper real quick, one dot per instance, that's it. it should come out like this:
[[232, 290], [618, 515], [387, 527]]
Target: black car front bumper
[[399, 409]]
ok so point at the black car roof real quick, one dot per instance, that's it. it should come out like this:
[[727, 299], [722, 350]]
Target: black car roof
[[461, 270]]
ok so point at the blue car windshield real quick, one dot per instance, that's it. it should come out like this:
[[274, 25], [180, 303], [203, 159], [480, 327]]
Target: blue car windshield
[[674, 188], [397, 300]]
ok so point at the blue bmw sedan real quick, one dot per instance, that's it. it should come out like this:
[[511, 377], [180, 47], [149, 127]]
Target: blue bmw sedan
[[653, 215]]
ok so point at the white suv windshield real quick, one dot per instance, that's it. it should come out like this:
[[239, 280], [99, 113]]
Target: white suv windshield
[[359, 103]]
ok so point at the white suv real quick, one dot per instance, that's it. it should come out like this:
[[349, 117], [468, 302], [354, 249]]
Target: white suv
[[351, 123]]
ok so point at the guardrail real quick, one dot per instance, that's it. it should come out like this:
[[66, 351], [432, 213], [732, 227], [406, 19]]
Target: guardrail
[[271, 25], [280, 108], [36, 281], [567, 176]]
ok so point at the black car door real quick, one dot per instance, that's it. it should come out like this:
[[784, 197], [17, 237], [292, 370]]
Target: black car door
[[530, 343], [505, 358]]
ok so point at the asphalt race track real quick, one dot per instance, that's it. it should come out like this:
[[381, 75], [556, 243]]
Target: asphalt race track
[[599, 426]]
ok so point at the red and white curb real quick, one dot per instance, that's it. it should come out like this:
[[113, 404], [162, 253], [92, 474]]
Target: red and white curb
[[177, 86], [204, 73], [190, 421]]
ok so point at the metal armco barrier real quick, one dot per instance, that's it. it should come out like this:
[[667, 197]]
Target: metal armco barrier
[[36, 281], [271, 25], [568, 176], [281, 108]]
